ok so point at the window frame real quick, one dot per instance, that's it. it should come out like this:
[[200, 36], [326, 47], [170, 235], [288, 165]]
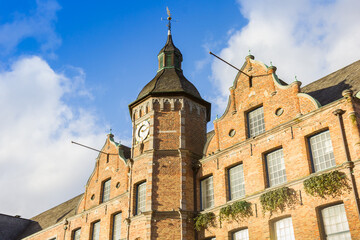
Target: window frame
[[248, 120], [309, 148], [265, 159], [103, 190], [92, 229], [319, 214], [272, 223], [74, 231], [112, 232], [233, 232], [229, 181], [201, 191], [136, 212]]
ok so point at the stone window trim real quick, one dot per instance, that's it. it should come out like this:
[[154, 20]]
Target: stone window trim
[[112, 224], [206, 177], [105, 190], [309, 149], [320, 216], [272, 224], [74, 233], [232, 233], [247, 121], [265, 166], [136, 196], [228, 181]]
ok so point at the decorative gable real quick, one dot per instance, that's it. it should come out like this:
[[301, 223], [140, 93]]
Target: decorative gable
[[257, 87]]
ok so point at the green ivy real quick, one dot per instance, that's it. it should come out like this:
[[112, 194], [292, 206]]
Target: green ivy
[[236, 211], [278, 199], [204, 221], [331, 184]]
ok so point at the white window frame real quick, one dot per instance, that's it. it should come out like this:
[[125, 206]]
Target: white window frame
[[74, 232], [105, 194], [255, 122], [236, 182], [242, 234], [140, 199], [116, 226], [284, 229], [321, 151], [335, 223], [275, 167], [207, 192], [95, 230]]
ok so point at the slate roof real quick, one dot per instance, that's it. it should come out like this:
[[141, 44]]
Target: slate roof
[[169, 80], [52, 216], [330, 87], [169, 46]]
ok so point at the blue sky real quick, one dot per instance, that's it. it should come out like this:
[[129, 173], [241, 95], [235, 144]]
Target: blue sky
[[69, 69]]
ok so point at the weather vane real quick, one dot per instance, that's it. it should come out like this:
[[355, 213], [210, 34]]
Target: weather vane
[[169, 18]]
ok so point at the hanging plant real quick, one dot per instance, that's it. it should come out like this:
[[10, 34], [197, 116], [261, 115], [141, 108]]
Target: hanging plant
[[332, 184], [236, 211], [278, 199], [203, 221]]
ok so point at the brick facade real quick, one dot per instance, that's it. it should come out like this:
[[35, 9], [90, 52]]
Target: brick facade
[[177, 154]]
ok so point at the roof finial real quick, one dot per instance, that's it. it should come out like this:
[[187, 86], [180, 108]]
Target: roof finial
[[249, 52], [110, 132], [169, 19], [270, 63], [296, 80]]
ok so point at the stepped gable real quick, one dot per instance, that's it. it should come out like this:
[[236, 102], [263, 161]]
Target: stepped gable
[[330, 87]]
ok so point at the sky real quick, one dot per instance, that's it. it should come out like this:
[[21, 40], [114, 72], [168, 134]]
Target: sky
[[69, 69]]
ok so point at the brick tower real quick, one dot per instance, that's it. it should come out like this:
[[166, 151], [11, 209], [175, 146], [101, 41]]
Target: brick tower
[[169, 132]]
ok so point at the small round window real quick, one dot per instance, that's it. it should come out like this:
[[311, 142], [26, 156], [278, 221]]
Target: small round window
[[93, 197], [232, 132], [279, 111], [118, 185]]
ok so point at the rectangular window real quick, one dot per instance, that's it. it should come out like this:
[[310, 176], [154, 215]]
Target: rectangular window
[[140, 198], [168, 60], [161, 61], [256, 123], [236, 182], [106, 191], [335, 223], [116, 231], [76, 234], [95, 232], [241, 235], [275, 167], [207, 193], [322, 154], [284, 229]]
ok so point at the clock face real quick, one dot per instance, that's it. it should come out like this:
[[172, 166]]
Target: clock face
[[142, 131]]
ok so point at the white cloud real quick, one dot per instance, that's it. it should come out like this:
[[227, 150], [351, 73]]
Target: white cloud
[[38, 25], [42, 167], [309, 39]]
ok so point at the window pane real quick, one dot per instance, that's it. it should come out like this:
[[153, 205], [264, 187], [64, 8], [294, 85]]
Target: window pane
[[106, 191], [284, 229], [116, 227], [77, 233], [161, 61], [256, 124], [168, 60], [207, 193], [241, 235], [141, 198], [335, 223], [321, 151], [96, 231], [236, 182], [276, 167]]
